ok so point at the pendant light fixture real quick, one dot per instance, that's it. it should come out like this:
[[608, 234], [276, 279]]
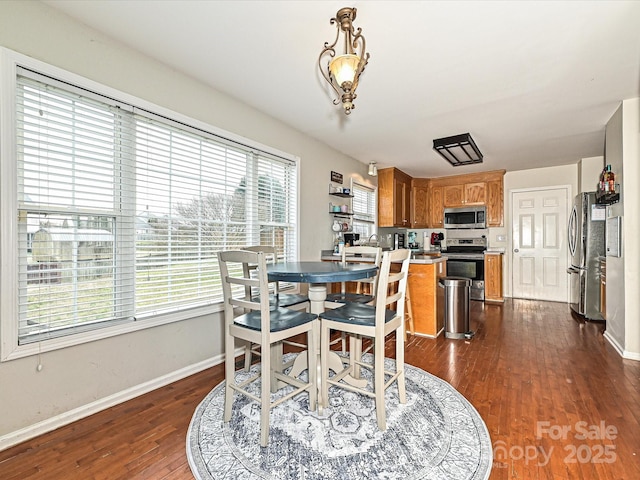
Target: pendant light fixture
[[373, 170], [342, 72]]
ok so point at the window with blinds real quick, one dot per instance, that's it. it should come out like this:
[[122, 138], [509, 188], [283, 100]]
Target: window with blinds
[[121, 212], [364, 209]]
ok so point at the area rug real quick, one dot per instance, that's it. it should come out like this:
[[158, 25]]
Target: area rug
[[436, 435]]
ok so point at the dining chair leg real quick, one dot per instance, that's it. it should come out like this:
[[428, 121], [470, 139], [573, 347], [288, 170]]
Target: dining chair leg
[[409, 314], [402, 393], [313, 350], [324, 365], [265, 395], [276, 359], [355, 354], [230, 373], [379, 385]]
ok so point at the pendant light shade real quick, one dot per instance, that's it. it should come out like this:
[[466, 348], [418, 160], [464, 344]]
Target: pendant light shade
[[343, 71]]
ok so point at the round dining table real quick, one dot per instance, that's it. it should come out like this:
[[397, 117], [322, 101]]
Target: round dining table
[[318, 274]]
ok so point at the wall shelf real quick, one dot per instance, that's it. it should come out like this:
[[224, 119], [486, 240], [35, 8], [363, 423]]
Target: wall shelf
[[607, 198]]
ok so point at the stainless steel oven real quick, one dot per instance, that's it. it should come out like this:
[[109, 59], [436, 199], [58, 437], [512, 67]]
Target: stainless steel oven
[[469, 266], [465, 258]]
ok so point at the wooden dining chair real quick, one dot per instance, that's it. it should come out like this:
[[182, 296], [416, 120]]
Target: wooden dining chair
[[287, 300], [276, 299], [354, 255], [335, 300], [376, 322], [260, 323]]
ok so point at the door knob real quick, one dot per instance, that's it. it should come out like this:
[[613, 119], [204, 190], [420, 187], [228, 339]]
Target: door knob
[[516, 250]]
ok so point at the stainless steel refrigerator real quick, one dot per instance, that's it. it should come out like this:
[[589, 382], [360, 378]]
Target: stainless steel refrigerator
[[586, 234]]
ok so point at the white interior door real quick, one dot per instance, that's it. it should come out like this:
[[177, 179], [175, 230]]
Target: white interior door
[[539, 256]]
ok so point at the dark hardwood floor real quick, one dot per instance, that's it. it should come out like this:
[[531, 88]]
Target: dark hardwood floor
[[558, 401]]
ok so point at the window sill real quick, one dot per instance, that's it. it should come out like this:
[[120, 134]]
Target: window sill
[[35, 348]]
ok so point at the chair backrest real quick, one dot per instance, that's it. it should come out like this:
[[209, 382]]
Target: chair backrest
[[375, 252], [392, 285], [235, 271], [271, 256]]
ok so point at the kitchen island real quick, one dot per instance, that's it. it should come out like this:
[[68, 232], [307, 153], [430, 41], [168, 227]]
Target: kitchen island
[[425, 269]]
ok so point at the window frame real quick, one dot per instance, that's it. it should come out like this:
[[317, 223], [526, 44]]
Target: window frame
[[9, 249], [370, 189]]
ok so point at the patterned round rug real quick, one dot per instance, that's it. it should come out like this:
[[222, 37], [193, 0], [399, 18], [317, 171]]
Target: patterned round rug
[[436, 435]]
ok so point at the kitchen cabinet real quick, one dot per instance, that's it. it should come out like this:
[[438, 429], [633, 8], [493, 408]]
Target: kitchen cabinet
[[465, 194], [394, 198], [423, 287], [420, 203], [493, 278], [495, 204], [473, 189], [436, 207]]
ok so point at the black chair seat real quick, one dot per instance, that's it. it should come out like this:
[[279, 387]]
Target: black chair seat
[[349, 298], [356, 314], [289, 299], [283, 300], [281, 319]]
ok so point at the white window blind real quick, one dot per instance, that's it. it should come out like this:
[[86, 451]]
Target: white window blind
[[122, 211], [364, 209]]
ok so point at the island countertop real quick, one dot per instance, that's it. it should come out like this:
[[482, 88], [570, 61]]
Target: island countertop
[[419, 259]]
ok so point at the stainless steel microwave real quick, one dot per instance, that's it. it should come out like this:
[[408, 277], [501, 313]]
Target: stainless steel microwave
[[465, 217]]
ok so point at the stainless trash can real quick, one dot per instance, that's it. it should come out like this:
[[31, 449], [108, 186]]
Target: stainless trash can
[[456, 306]]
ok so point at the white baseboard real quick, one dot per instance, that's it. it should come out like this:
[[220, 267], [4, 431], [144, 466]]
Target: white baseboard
[[626, 354], [83, 411], [614, 343]]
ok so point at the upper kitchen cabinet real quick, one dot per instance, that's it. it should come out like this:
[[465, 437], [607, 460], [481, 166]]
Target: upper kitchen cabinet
[[436, 206], [466, 194], [495, 203], [394, 198], [420, 213], [469, 190]]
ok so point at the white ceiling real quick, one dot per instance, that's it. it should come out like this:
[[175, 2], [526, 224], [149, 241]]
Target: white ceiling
[[533, 82]]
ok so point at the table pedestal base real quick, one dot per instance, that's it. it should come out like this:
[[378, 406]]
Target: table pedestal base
[[317, 296]]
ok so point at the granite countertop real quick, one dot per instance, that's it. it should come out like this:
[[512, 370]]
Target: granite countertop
[[422, 259]]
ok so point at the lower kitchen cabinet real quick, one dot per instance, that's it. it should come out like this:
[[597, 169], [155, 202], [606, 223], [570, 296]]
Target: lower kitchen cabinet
[[423, 291], [493, 278]]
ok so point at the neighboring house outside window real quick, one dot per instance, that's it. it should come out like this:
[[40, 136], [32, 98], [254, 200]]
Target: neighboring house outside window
[[121, 210]]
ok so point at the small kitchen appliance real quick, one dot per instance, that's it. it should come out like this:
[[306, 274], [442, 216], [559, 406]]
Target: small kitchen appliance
[[465, 217], [436, 238], [398, 241], [351, 238]]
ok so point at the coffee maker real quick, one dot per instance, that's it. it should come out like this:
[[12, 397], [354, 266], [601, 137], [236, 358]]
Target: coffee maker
[[436, 239]]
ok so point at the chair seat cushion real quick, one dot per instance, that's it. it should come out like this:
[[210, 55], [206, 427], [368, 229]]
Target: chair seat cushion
[[283, 300], [281, 319], [349, 298], [288, 299], [357, 314]]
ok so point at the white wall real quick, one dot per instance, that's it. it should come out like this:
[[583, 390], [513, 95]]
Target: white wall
[[631, 225], [536, 178], [589, 173], [109, 370], [615, 314]]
